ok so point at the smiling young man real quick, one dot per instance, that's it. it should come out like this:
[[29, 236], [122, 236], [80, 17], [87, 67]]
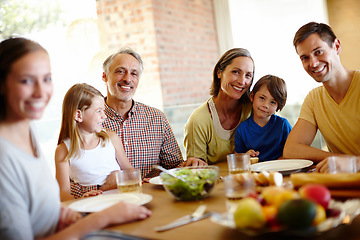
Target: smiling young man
[[145, 132], [332, 108]]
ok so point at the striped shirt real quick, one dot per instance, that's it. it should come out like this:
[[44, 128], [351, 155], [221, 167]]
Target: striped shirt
[[147, 138]]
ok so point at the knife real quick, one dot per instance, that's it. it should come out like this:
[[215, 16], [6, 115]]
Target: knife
[[182, 221]]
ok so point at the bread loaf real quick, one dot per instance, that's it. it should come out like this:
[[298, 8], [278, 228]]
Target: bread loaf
[[338, 180]]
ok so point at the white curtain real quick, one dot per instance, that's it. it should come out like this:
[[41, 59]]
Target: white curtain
[[223, 25]]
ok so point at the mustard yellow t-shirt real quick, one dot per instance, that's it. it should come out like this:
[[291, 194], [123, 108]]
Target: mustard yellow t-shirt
[[338, 123], [201, 139]]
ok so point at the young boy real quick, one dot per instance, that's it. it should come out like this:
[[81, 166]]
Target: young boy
[[264, 134]]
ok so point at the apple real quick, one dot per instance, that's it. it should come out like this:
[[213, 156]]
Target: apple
[[317, 193]]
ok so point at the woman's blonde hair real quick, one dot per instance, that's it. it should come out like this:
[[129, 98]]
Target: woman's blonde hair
[[78, 97]]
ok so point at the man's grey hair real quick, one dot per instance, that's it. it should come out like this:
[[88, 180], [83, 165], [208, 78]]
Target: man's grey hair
[[107, 63]]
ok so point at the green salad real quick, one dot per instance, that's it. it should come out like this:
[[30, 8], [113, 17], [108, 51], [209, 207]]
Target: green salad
[[196, 183]]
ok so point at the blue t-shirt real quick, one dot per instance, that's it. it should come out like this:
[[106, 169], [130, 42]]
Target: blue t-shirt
[[268, 140]]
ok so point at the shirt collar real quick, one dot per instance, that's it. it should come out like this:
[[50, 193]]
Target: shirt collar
[[113, 114]]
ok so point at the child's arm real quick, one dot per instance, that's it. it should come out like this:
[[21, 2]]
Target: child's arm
[[62, 172], [120, 152]]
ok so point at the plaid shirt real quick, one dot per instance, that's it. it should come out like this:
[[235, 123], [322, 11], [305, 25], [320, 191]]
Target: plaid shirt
[[147, 138]]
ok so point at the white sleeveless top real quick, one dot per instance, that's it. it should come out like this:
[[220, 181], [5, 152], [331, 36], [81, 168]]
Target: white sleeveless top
[[93, 166]]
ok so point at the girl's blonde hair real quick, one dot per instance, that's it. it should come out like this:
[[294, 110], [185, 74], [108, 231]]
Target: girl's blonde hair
[[78, 97]]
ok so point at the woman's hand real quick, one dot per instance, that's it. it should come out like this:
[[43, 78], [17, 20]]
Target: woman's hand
[[67, 217], [193, 161], [123, 212]]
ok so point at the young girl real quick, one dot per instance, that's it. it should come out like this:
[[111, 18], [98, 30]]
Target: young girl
[[86, 153], [29, 204], [264, 134]]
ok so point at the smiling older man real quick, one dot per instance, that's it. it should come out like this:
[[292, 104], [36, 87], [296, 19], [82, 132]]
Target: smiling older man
[[145, 132]]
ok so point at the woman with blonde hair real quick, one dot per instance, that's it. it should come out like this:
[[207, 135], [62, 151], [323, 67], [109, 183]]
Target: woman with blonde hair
[[86, 154]]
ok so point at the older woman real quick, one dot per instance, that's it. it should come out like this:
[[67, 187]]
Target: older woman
[[209, 131]]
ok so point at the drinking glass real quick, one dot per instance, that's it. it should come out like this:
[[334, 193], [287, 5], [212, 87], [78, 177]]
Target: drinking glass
[[342, 164], [237, 187], [238, 163], [129, 181]]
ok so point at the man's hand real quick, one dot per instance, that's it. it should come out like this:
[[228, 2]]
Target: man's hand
[[193, 161], [146, 180], [322, 167]]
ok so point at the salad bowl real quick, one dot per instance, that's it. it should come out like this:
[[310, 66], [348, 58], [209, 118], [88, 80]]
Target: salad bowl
[[192, 183]]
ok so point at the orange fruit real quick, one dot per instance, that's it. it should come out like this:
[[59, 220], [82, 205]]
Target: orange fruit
[[284, 196], [270, 212], [270, 194]]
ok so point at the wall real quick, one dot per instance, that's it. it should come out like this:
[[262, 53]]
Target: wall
[[187, 49], [176, 39], [344, 18], [130, 24]]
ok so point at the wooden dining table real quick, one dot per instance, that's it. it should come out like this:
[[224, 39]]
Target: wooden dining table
[[166, 209]]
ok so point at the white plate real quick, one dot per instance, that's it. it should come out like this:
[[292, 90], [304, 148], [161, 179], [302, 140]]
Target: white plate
[[156, 180], [284, 166], [98, 203]]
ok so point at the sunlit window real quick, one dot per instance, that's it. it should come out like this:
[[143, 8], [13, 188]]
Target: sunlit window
[[69, 31]]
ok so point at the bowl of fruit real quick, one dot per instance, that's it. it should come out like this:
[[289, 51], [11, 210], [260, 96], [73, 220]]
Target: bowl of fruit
[[278, 210], [190, 183]]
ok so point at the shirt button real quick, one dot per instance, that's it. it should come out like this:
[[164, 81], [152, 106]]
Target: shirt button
[[125, 142]]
